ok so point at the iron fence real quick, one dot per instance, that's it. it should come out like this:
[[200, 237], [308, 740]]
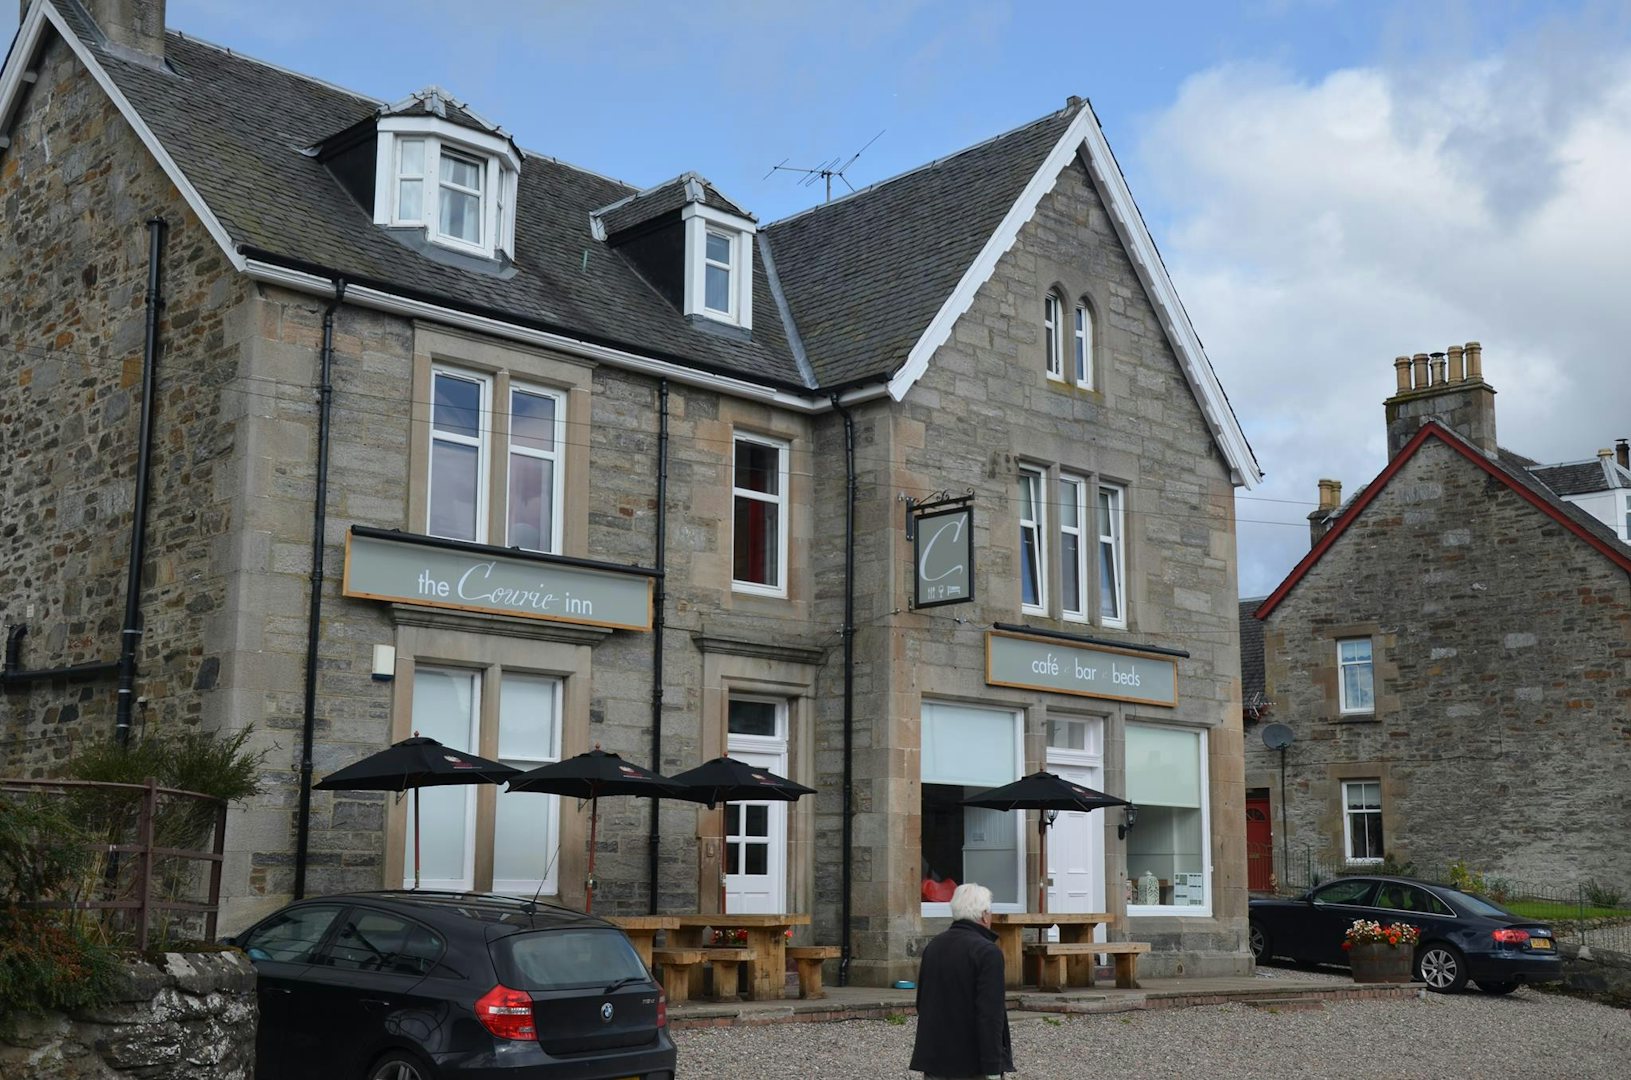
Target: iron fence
[[145, 880]]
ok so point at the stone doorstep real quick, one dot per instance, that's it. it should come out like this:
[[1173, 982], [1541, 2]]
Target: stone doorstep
[[871, 1003]]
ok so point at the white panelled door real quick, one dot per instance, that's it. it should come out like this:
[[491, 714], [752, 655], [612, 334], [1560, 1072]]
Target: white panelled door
[[1076, 839], [756, 846]]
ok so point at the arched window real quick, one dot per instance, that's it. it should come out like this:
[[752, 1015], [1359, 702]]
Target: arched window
[[1053, 334], [1082, 346]]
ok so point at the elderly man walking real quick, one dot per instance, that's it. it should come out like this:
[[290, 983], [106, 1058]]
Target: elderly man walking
[[962, 1013]]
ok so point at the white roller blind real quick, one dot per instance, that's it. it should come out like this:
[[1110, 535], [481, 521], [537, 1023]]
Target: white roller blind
[[1163, 766], [445, 704], [973, 747]]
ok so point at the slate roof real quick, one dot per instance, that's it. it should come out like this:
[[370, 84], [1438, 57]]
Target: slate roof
[[1574, 478], [1252, 681], [664, 198], [865, 274]]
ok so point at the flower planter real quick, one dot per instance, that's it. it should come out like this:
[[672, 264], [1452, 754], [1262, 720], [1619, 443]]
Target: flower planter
[[1379, 962]]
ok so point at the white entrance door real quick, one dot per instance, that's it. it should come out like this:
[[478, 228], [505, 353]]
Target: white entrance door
[[756, 832], [1076, 839]]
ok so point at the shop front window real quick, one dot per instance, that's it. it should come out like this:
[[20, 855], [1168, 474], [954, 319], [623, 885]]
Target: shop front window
[[967, 750], [1167, 849]]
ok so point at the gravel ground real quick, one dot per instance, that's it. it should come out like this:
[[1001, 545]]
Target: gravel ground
[[1526, 1034]]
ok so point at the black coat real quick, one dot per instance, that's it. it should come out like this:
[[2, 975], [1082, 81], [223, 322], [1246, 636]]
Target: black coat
[[962, 1008]]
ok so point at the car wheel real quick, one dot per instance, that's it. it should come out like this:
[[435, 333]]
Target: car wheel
[[1497, 988], [400, 1066], [1258, 940], [1441, 967]]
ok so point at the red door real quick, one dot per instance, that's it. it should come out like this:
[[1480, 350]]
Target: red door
[[1259, 845]]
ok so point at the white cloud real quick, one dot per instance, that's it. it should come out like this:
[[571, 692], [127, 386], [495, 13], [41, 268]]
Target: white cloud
[[1317, 230]]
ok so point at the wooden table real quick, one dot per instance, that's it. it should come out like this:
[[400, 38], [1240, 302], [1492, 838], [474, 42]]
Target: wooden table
[[766, 936], [1074, 926], [642, 930]]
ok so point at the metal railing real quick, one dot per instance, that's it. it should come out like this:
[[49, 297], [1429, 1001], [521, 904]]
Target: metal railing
[[137, 879]]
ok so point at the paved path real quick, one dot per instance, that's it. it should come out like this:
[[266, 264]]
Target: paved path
[[1527, 1034]]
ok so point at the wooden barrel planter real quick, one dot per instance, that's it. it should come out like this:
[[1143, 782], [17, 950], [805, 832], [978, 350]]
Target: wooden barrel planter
[[1379, 962]]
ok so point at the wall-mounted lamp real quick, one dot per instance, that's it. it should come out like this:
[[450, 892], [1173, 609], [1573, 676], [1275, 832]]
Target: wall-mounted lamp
[[1129, 818], [384, 663], [1050, 816]]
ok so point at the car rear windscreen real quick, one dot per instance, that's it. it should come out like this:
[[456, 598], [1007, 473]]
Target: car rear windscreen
[[547, 960]]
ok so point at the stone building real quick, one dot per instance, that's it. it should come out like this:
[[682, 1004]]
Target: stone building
[[451, 437], [1453, 657]]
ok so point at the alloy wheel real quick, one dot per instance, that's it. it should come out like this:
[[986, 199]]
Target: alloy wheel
[[1440, 969], [396, 1070], [1257, 942]]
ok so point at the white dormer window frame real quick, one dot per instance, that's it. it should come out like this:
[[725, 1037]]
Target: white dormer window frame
[[733, 260], [410, 158]]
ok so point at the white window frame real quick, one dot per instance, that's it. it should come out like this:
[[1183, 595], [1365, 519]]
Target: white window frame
[[501, 169], [555, 457], [942, 909], [1053, 338], [1342, 681], [484, 198], [1205, 909], [482, 441], [1082, 353], [1036, 479], [1116, 540], [699, 220], [1079, 531], [1347, 821], [729, 266], [402, 175], [550, 885], [780, 500]]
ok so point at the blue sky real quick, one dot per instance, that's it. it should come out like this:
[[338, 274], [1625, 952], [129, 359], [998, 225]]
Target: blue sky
[[1331, 184]]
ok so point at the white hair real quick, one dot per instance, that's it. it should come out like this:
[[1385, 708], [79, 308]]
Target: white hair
[[970, 902]]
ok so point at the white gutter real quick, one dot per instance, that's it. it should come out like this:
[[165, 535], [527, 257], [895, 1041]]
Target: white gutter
[[362, 296]]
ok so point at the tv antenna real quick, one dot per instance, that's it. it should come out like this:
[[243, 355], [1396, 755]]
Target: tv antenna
[[826, 170]]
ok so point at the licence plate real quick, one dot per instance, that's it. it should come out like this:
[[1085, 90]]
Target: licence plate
[[1540, 943]]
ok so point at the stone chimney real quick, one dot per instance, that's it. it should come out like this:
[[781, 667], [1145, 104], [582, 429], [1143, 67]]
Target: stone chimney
[[1447, 387], [1319, 522], [1622, 452], [138, 25]]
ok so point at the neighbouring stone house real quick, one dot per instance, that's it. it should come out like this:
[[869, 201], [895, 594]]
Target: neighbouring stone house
[[452, 437], [1453, 657]]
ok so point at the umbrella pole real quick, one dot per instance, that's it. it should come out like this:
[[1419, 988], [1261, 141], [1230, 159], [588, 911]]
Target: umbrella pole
[[589, 884], [1042, 864], [416, 838]]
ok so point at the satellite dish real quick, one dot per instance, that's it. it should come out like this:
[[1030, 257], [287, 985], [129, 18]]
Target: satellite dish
[[1278, 736]]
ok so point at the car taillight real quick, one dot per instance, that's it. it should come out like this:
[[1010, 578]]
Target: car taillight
[[662, 1009], [506, 1013], [1512, 937]]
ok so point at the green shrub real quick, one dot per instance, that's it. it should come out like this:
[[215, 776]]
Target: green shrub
[[1601, 895], [43, 852], [48, 962], [1467, 880]]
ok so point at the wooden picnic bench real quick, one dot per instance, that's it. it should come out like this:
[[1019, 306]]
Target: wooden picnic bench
[[809, 959], [677, 964], [1054, 956]]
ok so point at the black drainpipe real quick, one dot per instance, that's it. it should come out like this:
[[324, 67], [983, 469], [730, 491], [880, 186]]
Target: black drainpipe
[[849, 676], [132, 631], [325, 405], [658, 621]]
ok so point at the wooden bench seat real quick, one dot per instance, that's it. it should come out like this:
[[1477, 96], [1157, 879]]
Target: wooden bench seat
[[678, 962], [1054, 955], [809, 959]]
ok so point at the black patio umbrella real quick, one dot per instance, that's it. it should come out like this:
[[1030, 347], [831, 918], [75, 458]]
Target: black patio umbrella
[[1043, 791], [589, 776], [726, 779], [415, 763]]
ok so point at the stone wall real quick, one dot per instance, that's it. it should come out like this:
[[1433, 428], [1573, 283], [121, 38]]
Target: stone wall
[[191, 1017], [1502, 648], [77, 189], [1601, 972]]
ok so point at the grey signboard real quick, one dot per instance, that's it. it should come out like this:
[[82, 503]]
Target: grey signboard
[[1064, 667], [455, 576], [943, 557]]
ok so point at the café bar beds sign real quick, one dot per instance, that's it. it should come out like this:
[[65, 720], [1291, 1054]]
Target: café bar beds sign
[[406, 568], [1032, 662]]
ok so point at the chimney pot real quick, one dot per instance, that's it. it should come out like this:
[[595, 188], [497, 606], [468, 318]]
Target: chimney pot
[[1330, 494], [1419, 361], [1622, 452], [1319, 521], [1458, 370], [1438, 369], [1401, 372], [1605, 453], [1475, 361]]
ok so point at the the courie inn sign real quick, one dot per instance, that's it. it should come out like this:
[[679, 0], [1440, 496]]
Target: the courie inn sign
[[410, 569], [1033, 662]]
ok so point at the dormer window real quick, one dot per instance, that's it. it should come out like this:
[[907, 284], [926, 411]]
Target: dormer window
[[439, 170], [719, 265]]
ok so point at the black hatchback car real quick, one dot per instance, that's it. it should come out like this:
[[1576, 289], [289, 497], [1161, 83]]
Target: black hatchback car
[[1462, 936], [425, 985]]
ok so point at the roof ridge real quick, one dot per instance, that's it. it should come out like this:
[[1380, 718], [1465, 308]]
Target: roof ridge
[[302, 76], [942, 159]]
